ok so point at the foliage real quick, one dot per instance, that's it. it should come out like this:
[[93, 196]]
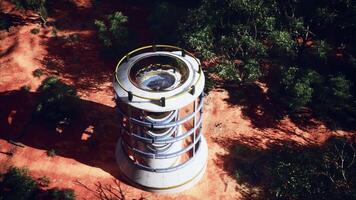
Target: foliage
[[5, 21], [163, 21], [54, 32], [37, 5], [112, 32], [56, 100], [51, 152], [37, 73], [307, 44], [44, 181], [72, 37], [16, 184], [230, 30], [25, 88], [35, 31], [326, 172], [61, 194]]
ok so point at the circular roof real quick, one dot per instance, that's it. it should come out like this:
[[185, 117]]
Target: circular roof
[[145, 80]]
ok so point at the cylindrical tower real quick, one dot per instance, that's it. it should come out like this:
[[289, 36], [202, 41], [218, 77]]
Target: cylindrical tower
[[159, 94]]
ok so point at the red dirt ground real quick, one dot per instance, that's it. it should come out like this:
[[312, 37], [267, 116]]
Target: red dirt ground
[[87, 169]]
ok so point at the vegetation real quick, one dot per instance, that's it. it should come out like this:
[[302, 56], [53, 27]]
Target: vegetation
[[37, 73], [43, 181], [61, 194], [25, 88], [17, 184], [326, 172], [51, 152], [35, 31], [163, 21], [40, 6], [56, 101], [5, 21], [113, 33], [302, 49]]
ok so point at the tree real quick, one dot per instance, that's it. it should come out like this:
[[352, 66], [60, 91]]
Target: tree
[[16, 184], [307, 46], [113, 33], [56, 101], [40, 6]]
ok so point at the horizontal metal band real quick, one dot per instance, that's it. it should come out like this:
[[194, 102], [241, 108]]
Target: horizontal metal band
[[167, 125], [144, 154], [168, 140]]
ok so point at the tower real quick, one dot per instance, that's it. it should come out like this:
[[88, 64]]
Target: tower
[[159, 94]]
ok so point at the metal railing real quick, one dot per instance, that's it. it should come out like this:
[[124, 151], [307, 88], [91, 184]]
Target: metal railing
[[137, 152]]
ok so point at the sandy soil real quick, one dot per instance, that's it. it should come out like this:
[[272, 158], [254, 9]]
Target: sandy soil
[[88, 169]]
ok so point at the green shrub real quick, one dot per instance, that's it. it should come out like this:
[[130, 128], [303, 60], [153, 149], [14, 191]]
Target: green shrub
[[43, 181], [230, 30], [242, 37], [72, 38], [163, 21], [51, 153], [16, 184], [37, 5], [314, 172], [37, 73], [298, 86], [35, 31], [61, 194], [335, 103], [54, 32], [282, 43], [56, 101], [5, 21], [112, 32], [25, 88]]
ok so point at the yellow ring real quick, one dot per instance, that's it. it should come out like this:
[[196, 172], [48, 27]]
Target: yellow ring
[[159, 46]]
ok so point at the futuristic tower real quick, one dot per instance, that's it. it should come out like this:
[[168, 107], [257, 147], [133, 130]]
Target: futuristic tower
[[159, 94]]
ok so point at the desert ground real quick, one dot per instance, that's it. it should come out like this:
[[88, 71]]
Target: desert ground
[[89, 170]]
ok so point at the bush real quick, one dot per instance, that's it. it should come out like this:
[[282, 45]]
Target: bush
[[61, 194], [25, 88], [44, 181], [35, 31], [163, 21], [231, 31], [113, 33], [16, 184], [56, 101], [37, 5], [241, 36], [37, 73], [51, 153], [5, 21], [335, 103], [315, 172], [54, 32]]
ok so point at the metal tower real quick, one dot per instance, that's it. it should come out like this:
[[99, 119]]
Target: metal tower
[[159, 94]]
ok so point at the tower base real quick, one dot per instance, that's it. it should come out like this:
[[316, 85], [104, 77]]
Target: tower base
[[164, 182]]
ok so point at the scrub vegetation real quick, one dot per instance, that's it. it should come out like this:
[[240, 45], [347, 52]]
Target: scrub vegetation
[[18, 184]]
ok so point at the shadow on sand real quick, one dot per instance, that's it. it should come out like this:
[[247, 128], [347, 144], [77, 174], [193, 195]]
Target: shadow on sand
[[90, 138]]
